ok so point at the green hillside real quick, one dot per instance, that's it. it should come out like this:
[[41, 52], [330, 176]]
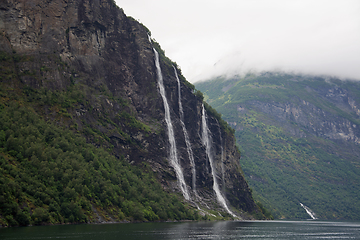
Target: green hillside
[[299, 139], [50, 173]]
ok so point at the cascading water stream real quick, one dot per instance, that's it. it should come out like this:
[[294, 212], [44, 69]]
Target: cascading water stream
[[308, 211], [186, 135], [207, 141], [222, 159], [174, 160]]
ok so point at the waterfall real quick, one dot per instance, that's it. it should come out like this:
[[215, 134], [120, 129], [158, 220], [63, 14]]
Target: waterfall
[[207, 141], [222, 159], [308, 211], [174, 160], [186, 135]]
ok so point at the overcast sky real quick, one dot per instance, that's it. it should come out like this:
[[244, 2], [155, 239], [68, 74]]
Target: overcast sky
[[213, 37]]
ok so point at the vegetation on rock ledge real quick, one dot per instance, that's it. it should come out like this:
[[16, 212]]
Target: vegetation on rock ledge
[[51, 175]]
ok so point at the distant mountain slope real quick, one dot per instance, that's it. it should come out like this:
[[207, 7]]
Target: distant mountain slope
[[299, 138]]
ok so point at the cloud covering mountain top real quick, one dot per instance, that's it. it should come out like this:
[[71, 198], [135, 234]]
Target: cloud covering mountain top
[[208, 38]]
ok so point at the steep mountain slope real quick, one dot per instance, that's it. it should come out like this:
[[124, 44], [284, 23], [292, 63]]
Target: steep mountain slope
[[84, 66], [299, 138]]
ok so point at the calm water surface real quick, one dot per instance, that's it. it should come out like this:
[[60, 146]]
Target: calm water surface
[[197, 230]]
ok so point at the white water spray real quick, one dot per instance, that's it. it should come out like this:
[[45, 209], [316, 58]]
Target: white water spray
[[174, 160], [222, 160], [308, 211], [207, 141], [186, 135]]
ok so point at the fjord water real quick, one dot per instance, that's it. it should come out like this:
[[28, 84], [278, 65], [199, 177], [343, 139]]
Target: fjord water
[[194, 230]]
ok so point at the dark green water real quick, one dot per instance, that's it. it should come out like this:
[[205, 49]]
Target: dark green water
[[193, 230]]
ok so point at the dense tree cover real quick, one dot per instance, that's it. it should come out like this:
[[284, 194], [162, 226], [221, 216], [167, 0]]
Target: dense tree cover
[[284, 171], [282, 168], [57, 167], [51, 175]]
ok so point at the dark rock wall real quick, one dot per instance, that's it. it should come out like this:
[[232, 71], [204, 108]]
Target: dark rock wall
[[92, 42]]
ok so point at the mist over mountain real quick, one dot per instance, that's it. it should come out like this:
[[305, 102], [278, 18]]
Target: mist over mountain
[[299, 138], [239, 64], [208, 38]]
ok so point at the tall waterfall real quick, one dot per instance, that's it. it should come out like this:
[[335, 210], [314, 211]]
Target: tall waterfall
[[174, 160], [186, 135], [308, 211], [207, 141], [222, 160]]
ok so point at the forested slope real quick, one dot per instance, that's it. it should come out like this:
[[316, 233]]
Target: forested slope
[[50, 174]]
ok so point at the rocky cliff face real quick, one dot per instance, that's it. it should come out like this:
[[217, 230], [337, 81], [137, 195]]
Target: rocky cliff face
[[316, 120], [92, 46], [312, 119]]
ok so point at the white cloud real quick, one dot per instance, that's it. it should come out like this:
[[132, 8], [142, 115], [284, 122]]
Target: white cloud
[[217, 37]]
